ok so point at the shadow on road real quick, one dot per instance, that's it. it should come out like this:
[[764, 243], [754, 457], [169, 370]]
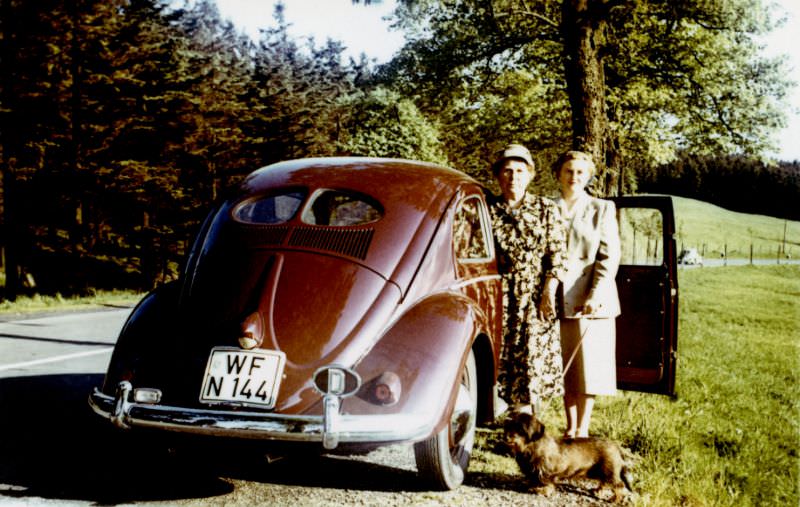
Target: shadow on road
[[53, 446]]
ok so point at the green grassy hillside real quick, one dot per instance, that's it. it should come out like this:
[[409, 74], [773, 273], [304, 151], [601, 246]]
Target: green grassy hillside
[[709, 228]]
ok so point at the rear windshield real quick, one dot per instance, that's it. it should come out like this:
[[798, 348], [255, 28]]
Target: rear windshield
[[270, 209], [341, 209]]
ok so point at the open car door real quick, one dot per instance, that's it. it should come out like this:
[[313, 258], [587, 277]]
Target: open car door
[[647, 329]]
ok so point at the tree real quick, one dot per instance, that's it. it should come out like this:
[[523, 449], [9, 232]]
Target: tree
[[640, 78], [216, 65], [36, 126], [292, 96], [735, 182], [380, 123]]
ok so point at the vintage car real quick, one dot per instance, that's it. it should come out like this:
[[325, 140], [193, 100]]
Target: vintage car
[[348, 303], [690, 257]]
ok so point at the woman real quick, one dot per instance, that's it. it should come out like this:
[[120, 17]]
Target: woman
[[589, 301], [530, 242]]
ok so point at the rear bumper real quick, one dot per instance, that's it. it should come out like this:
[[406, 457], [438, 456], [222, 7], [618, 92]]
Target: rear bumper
[[330, 429]]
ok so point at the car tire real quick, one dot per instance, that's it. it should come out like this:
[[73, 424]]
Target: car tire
[[442, 460]]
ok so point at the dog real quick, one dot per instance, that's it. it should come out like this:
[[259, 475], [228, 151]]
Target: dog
[[544, 460]]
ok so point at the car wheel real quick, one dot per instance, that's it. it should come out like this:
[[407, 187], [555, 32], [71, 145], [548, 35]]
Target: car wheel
[[442, 460]]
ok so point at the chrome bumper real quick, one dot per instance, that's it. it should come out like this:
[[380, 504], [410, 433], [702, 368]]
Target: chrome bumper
[[331, 428]]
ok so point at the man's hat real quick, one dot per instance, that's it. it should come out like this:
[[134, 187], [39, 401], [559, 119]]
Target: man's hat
[[515, 151]]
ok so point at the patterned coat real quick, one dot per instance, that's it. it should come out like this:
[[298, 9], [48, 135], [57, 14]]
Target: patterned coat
[[531, 245]]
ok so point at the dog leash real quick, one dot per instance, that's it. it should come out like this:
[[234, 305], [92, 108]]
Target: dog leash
[[575, 351], [540, 407]]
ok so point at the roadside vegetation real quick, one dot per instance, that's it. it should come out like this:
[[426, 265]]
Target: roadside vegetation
[[39, 303], [732, 436]]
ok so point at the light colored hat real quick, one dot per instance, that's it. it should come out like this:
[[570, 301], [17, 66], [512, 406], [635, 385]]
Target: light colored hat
[[515, 151]]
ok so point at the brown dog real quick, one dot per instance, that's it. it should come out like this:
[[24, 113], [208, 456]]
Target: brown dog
[[545, 460]]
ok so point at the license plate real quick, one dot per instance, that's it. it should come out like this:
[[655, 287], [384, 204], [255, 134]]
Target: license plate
[[243, 377]]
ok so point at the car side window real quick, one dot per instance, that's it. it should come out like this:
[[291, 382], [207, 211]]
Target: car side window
[[641, 233], [270, 209], [471, 232], [341, 209]]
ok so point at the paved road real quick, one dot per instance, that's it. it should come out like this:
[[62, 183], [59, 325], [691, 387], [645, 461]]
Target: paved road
[[716, 262], [59, 344]]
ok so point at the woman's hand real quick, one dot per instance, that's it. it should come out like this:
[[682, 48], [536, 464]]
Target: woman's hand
[[590, 307], [547, 307]]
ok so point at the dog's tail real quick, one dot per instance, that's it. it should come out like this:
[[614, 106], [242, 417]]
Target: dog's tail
[[627, 478]]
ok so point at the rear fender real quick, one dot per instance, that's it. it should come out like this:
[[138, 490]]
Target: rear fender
[[425, 351], [147, 329]]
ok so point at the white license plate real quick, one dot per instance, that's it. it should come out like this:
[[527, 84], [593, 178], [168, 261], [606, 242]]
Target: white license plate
[[243, 377]]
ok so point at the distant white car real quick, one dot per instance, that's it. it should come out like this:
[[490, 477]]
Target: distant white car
[[690, 256]]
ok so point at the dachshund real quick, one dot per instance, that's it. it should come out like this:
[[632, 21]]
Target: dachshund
[[544, 460]]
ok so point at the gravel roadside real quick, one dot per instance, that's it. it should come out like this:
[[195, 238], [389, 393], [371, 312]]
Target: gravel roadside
[[386, 478]]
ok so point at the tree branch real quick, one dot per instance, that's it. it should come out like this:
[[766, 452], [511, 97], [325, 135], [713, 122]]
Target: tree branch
[[531, 14]]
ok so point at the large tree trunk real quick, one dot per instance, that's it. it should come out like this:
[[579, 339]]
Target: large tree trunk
[[8, 226], [583, 27], [10, 233]]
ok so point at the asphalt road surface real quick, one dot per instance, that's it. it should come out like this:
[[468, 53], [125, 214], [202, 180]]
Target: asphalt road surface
[[55, 451]]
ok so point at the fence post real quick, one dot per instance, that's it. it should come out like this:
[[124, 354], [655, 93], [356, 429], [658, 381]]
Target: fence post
[[725, 255], [751, 254]]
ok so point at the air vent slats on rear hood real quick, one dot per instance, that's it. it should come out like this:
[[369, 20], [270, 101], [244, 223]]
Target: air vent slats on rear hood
[[353, 243], [259, 235]]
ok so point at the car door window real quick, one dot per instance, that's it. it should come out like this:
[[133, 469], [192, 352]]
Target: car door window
[[641, 236], [471, 232]]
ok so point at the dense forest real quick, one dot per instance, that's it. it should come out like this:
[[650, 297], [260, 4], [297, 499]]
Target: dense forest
[[125, 120], [733, 182]]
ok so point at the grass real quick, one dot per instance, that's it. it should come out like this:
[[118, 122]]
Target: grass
[[732, 437], [40, 303], [710, 228]]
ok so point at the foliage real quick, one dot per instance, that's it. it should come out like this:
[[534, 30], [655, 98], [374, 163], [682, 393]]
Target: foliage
[[124, 120], [380, 123], [669, 75], [732, 436]]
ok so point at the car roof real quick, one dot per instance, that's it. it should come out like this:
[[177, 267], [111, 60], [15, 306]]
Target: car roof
[[364, 174]]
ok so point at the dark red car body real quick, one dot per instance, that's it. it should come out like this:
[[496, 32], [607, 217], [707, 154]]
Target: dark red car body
[[387, 302]]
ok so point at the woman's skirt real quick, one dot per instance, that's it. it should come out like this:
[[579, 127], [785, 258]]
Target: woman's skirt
[[593, 370]]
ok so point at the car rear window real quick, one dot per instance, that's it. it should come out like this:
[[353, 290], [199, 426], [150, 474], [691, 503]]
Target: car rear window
[[270, 209], [341, 209]]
